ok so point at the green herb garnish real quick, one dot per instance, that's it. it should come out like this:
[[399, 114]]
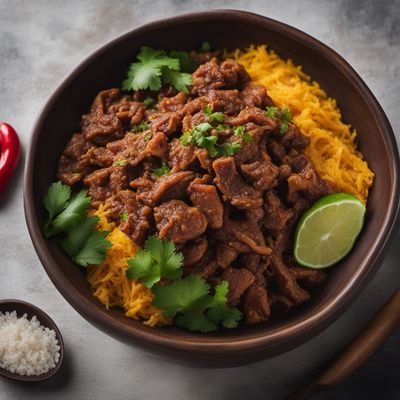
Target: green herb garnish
[[187, 299], [124, 216], [164, 169], [179, 80], [190, 302], [205, 47], [148, 101], [147, 137], [121, 163], [241, 131], [67, 214], [158, 259], [153, 69], [74, 209], [198, 138], [140, 127], [272, 112], [222, 127], [186, 63], [213, 116], [85, 244], [284, 115]]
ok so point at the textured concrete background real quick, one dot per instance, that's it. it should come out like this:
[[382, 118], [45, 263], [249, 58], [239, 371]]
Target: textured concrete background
[[39, 42]]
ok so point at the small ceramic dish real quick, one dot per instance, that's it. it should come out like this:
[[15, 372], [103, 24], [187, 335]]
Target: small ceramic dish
[[22, 307]]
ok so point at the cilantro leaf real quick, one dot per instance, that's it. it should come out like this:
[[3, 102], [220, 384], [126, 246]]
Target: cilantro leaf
[[124, 216], [146, 74], [222, 127], [86, 245], [187, 63], [140, 127], [56, 199], [72, 214], [164, 169], [283, 128], [272, 111], [220, 311], [188, 299], [227, 149], [284, 116], [187, 294], [143, 267], [241, 131], [155, 68], [216, 116], [158, 259], [196, 321], [83, 243], [180, 80]]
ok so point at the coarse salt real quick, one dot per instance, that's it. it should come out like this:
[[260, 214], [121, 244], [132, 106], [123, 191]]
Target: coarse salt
[[26, 346]]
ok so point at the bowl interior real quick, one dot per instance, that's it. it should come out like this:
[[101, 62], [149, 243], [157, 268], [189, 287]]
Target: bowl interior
[[106, 68], [22, 307]]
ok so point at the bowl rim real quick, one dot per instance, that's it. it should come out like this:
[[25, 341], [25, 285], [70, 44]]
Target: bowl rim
[[153, 338], [46, 321]]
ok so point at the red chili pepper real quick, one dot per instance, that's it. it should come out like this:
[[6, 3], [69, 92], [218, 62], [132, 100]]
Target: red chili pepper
[[10, 149]]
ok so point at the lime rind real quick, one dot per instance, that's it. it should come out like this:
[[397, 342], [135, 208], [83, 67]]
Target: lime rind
[[326, 232]]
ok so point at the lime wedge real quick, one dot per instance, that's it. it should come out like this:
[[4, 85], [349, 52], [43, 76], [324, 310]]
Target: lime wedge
[[327, 231]]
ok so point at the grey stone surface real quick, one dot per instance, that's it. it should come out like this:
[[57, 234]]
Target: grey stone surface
[[39, 42]]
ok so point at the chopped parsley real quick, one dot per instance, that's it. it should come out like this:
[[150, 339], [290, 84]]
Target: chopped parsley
[[155, 68], [120, 163], [283, 115], [124, 216], [241, 131], [222, 127], [213, 116], [140, 127], [147, 137], [198, 138], [158, 259], [164, 169], [68, 215]]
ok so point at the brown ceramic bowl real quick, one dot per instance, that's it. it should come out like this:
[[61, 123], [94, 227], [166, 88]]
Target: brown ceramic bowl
[[22, 307], [105, 68]]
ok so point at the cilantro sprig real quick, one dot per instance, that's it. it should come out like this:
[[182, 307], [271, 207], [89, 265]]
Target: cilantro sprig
[[155, 68], [67, 215], [188, 300], [197, 137], [158, 259], [284, 115]]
